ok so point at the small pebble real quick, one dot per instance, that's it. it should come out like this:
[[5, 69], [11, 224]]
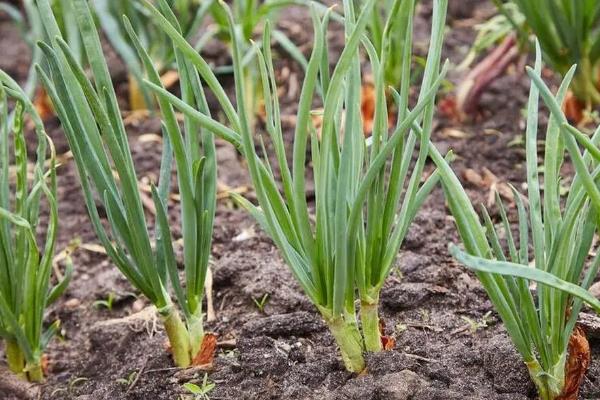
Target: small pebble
[[138, 305], [286, 348], [72, 304]]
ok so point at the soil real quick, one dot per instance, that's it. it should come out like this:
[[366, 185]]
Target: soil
[[449, 342]]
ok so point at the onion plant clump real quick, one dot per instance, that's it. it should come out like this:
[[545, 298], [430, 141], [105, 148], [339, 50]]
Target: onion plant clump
[[393, 71], [89, 113], [492, 31], [190, 15], [346, 250], [25, 265], [569, 33], [540, 322], [29, 24], [250, 17]]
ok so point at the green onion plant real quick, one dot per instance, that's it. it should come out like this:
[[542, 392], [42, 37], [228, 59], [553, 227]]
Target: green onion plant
[[493, 31], [89, 113], [30, 26], [27, 22], [393, 70], [540, 322], [344, 252], [190, 15], [250, 17], [25, 265], [569, 33]]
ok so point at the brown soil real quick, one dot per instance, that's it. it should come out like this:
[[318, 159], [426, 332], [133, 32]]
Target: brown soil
[[285, 351]]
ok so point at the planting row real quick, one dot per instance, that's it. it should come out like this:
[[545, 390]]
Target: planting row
[[368, 186]]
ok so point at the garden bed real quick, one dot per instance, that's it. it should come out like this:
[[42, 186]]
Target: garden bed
[[449, 345]]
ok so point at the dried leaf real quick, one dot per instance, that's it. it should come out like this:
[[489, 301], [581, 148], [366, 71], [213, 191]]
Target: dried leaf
[[206, 354], [495, 185], [505, 192], [45, 364], [148, 202], [43, 104], [150, 138], [573, 108], [473, 177], [449, 108], [454, 133], [135, 117], [169, 78], [387, 342], [64, 158], [488, 180], [317, 121], [367, 107], [577, 364], [93, 247], [211, 316], [293, 86]]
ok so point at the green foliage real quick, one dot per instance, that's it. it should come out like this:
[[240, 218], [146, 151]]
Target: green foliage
[[397, 52], [30, 25], [106, 303], [568, 33], [476, 325], [200, 392], [539, 323], [361, 218], [25, 266], [250, 17], [131, 378], [190, 15], [261, 302], [89, 112], [490, 32]]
